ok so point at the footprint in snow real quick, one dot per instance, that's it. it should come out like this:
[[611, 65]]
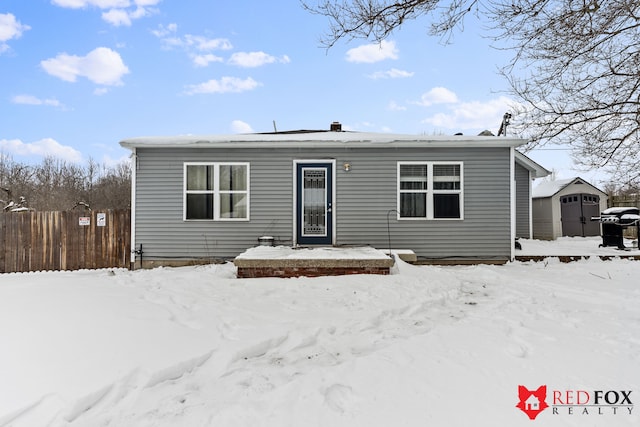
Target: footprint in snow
[[339, 397]]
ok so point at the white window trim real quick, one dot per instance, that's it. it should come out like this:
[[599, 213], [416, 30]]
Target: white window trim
[[430, 190], [216, 191]]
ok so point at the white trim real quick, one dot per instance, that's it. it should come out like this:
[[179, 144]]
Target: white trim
[[328, 139], [532, 166], [326, 208], [216, 192], [530, 202], [134, 168], [296, 162], [430, 191], [512, 210]]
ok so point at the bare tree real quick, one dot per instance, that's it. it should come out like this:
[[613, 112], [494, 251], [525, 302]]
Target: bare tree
[[112, 189], [57, 185], [15, 181], [575, 69]]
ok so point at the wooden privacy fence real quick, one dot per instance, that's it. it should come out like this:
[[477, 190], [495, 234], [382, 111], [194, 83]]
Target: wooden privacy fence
[[627, 201], [70, 240]]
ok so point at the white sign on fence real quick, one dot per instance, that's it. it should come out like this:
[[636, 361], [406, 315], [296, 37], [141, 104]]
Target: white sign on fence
[[101, 220], [84, 220]]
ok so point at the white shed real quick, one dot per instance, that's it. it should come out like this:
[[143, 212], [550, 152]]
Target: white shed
[[565, 207]]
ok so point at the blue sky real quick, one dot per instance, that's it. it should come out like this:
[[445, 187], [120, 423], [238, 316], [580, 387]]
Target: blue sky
[[80, 75]]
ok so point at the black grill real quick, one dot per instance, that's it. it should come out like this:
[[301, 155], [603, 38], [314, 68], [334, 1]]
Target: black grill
[[614, 221]]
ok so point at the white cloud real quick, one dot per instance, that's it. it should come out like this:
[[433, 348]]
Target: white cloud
[[109, 161], [10, 28], [124, 17], [144, 3], [102, 4], [198, 48], [438, 95], [205, 60], [238, 126], [102, 66], [101, 91], [370, 53], [32, 100], [190, 41], [393, 73], [472, 115], [163, 31], [117, 17], [206, 44], [44, 147], [224, 85], [120, 12], [255, 59], [394, 106]]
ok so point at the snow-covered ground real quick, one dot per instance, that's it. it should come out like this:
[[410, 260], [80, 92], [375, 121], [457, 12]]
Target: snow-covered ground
[[424, 346], [575, 246]]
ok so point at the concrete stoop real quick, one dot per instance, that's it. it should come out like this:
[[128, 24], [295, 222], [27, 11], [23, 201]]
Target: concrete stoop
[[282, 261]]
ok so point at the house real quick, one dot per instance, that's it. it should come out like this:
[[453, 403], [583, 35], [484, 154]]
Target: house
[[532, 403], [565, 208], [447, 198]]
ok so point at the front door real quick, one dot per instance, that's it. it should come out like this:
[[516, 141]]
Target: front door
[[314, 203]]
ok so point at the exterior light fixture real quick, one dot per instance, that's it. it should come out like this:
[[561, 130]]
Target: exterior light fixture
[[346, 167]]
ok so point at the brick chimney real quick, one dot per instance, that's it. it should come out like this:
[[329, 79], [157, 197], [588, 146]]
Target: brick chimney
[[335, 127]]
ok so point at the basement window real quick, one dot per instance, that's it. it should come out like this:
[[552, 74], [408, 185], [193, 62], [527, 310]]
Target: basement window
[[216, 191]]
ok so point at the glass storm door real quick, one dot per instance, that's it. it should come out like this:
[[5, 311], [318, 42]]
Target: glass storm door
[[314, 216]]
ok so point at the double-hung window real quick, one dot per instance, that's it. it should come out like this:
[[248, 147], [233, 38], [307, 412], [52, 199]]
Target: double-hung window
[[430, 190], [216, 191]]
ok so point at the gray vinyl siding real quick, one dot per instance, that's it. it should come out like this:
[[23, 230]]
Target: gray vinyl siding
[[523, 197], [160, 227], [364, 197]]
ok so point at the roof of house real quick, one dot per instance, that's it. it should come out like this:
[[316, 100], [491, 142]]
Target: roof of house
[[537, 170], [311, 138], [550, 188]]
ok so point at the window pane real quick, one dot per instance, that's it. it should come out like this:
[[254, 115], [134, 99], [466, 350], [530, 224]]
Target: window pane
[[233, 205], [413, 177], [446, 206], [233, 177], [200, 177], [446, 177], [199, 206], [413, 205]]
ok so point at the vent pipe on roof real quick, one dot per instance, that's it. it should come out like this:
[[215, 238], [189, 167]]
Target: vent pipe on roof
[[335, 127]]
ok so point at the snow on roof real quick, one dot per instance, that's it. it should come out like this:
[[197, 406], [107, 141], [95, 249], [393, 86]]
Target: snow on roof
[[549, 188], [328, 139]]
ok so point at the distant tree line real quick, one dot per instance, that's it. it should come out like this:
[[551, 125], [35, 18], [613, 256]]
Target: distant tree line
[[58, 185]]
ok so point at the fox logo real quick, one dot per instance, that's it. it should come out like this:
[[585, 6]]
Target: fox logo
[[532, 402]]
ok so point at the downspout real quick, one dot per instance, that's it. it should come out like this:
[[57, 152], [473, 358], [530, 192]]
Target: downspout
[[512, 210], [134, 168]]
